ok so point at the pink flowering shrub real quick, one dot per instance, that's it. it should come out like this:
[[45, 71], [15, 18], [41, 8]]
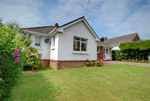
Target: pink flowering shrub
[[33, 60], [16, 53], [12, 56]]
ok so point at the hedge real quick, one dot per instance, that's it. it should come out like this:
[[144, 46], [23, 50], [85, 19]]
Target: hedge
[[141, 45], [130, 54]]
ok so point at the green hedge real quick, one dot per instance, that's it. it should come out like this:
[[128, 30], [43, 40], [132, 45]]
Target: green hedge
[[141, 45], [130, 54]]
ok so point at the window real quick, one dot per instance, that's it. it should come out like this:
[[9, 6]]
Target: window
[[98, 49], [106, 51], [79, 44], [54, 41], [37, 41]]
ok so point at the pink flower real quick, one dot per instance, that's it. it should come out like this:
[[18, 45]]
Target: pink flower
[[25, 30], [16, 52], [28, 50], [27, 60], [18, 30], [17, 60]]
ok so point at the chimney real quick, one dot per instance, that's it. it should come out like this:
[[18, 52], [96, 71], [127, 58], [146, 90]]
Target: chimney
[[105, 38], [56, 25]]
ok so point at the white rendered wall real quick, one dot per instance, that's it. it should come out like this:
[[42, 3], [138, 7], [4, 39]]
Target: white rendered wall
[[44, 49], [115, 47], [54, 50], [65, 46]]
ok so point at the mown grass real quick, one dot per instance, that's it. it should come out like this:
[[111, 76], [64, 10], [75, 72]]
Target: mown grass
[[107, 83]]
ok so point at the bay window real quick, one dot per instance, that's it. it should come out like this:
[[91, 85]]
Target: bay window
[[79, 44]]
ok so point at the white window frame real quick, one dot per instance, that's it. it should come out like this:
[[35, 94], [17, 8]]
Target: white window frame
[[53, 41], [99, 50], [80, 43], [40, 41]]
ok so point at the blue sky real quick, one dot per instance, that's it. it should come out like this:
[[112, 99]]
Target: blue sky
[[108, 18]]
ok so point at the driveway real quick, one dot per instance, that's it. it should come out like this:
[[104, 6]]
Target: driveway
[[130, 63]]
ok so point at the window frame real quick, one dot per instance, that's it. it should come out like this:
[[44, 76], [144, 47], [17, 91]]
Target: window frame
[[40, 41], [99, 50], [80, 41]]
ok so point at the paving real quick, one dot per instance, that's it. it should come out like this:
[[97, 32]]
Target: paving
[[121, 62]]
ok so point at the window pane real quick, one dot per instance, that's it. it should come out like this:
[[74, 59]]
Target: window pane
[[103, 51], [76, 46], [83, 46], [85, 40], [98, 49], [106, 51], [76, 38], [37, 41]]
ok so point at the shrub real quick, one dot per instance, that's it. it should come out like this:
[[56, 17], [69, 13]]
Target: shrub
[[99, 63], [33, 60], [12, 56], [141, 45], [135, 55], [89, 63]]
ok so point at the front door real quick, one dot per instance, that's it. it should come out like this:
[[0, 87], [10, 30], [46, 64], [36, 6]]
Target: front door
[[106, 54]]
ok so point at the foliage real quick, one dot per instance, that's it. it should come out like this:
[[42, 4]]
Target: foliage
[[89, 63], [12, 56], [99, 63], [33, 58], [141, 45], [102, 39], [135, 55]]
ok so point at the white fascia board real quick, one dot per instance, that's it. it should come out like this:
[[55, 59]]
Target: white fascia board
[[71, 23], [90, 29], [52, 34], [83, 19], [52, 31], [97, 40], [61, 30], [37, 33]]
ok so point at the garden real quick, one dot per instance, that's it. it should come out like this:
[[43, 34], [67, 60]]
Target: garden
[[95, 81], [137, 51], [108, 83], [15, 54]]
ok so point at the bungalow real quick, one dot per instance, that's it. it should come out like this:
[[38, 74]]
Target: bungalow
[[125, 38], [68, 45]]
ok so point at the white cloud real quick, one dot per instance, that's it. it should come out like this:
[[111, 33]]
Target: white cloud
[[25, 12]]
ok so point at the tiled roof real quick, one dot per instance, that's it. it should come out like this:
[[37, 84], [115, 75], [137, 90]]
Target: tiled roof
[[42, 29], [124, 38]]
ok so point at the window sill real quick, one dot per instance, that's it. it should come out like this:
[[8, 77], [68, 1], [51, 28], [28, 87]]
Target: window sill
[[39, 48], [78, 52], [53, 48]]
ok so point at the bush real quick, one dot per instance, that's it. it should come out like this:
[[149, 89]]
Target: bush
[[99, 63], [135, 55], [141, 45], [12, 56], [89, 63], [33, 58]]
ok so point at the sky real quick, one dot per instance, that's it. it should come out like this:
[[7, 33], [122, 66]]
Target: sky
[[108, 18]]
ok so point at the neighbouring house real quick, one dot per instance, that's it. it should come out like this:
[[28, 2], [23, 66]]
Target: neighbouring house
[[68, 45], [116, 40]]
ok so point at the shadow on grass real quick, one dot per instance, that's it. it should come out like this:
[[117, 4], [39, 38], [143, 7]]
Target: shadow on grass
[[33, 87]]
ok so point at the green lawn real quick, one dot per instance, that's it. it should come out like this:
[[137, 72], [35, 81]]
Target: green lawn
[[107, 83]]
